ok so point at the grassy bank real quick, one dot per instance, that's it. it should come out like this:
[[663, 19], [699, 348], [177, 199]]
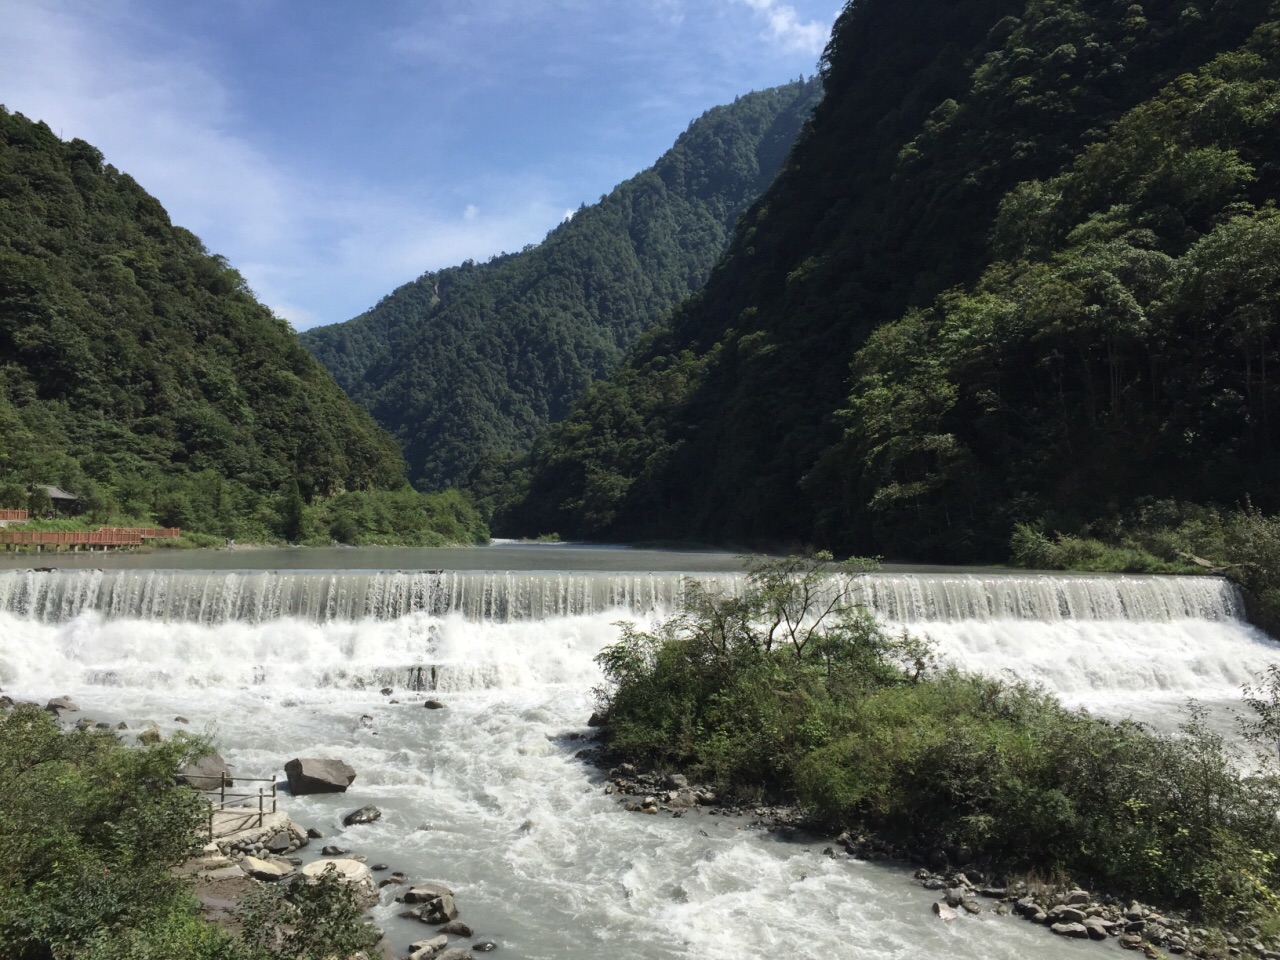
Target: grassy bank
[[1168, 537], [780, 695]]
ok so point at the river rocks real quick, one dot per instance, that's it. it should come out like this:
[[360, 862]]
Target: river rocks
[[426, 949], [1065, 914], [1077, 896], [441, 909], [458, 928], [231, 872], [434, 705], [971, 906], [207, 773], [422, 892], [308, 775], [597, 719], [150, 733], [1076, 931], [350, 871], [1097, 927], [1131, 941], [484, 946], [61, 705], [332, 850], [268, 870], [366, 814], [453, 953], [280, 842], [944, 912]]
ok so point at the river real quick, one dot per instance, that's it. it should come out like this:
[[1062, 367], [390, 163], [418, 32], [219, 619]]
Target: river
[[278, 653]]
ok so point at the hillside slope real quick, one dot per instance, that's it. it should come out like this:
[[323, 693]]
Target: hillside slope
[[140, 372], [472, 362], [729, 422]]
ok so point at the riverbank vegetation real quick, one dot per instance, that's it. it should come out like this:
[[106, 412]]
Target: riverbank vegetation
[[91, 830], [139, 372], [1170, 537], [786, 694]]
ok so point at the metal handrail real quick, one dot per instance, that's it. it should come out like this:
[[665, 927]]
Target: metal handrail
[[221, 804]]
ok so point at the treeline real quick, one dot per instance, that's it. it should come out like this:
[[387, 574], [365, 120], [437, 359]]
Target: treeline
[[467, 365], [1021, 268], [139, 372]]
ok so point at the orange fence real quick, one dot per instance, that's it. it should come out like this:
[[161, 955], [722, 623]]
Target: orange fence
[[47, 538], [16, 515], [102, 537], [146, 533]]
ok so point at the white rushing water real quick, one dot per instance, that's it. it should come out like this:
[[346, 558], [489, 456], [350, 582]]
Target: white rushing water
[[279, 665]]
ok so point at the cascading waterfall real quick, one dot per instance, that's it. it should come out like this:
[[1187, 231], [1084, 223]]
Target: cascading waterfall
[[283, 664]]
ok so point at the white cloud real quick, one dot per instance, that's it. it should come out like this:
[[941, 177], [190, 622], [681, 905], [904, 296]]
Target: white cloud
[[307, 244], [788, 30]]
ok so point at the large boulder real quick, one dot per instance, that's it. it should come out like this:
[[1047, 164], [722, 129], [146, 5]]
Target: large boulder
[[265, 869], [206, 773], [318, 775], [61, 705], [352, 872]]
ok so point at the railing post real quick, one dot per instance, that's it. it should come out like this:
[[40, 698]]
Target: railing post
[[222, 788], [259, 808], [273, 796]]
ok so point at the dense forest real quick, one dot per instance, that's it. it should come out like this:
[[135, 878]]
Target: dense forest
[[1021, 269], [139, 372], [467, 365]]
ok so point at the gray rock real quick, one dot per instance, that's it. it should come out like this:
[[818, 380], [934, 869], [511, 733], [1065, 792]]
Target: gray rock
[[677, 781], [597, 719], [309, 775], [943, 912], [453, 953], [314, 834], [280, 843], [150, 733], [265, 869], [206, 773], [955, 896], [62, 705], [1131, 941], [1097, 927], [1076, 931], [366, 814], [332, 851], [440, 910], [971, 906], [1077, 896], [351, 872], [434, 705], [379, 867], [1065, 914], [386, 691], [424, 949], [181, 720], [484, 946], [366, 720], [458, 928], [425, 892]]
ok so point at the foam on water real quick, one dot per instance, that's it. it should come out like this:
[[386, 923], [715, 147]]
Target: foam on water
[[541, 859]]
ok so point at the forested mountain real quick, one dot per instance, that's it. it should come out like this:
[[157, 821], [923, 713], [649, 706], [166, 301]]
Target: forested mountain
[[469, 364], [140, 372], [1021, 267]]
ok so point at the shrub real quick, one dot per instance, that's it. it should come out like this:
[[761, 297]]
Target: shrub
[[786, 692]]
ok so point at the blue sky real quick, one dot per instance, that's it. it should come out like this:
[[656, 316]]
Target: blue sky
[[334, 150]]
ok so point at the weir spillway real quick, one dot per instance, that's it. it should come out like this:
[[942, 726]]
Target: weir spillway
[[487, 795], [255, 597]]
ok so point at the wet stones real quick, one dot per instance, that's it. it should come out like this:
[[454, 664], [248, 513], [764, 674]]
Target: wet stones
[[60, 705], [366, 814], [308, 775], [433, 705]]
